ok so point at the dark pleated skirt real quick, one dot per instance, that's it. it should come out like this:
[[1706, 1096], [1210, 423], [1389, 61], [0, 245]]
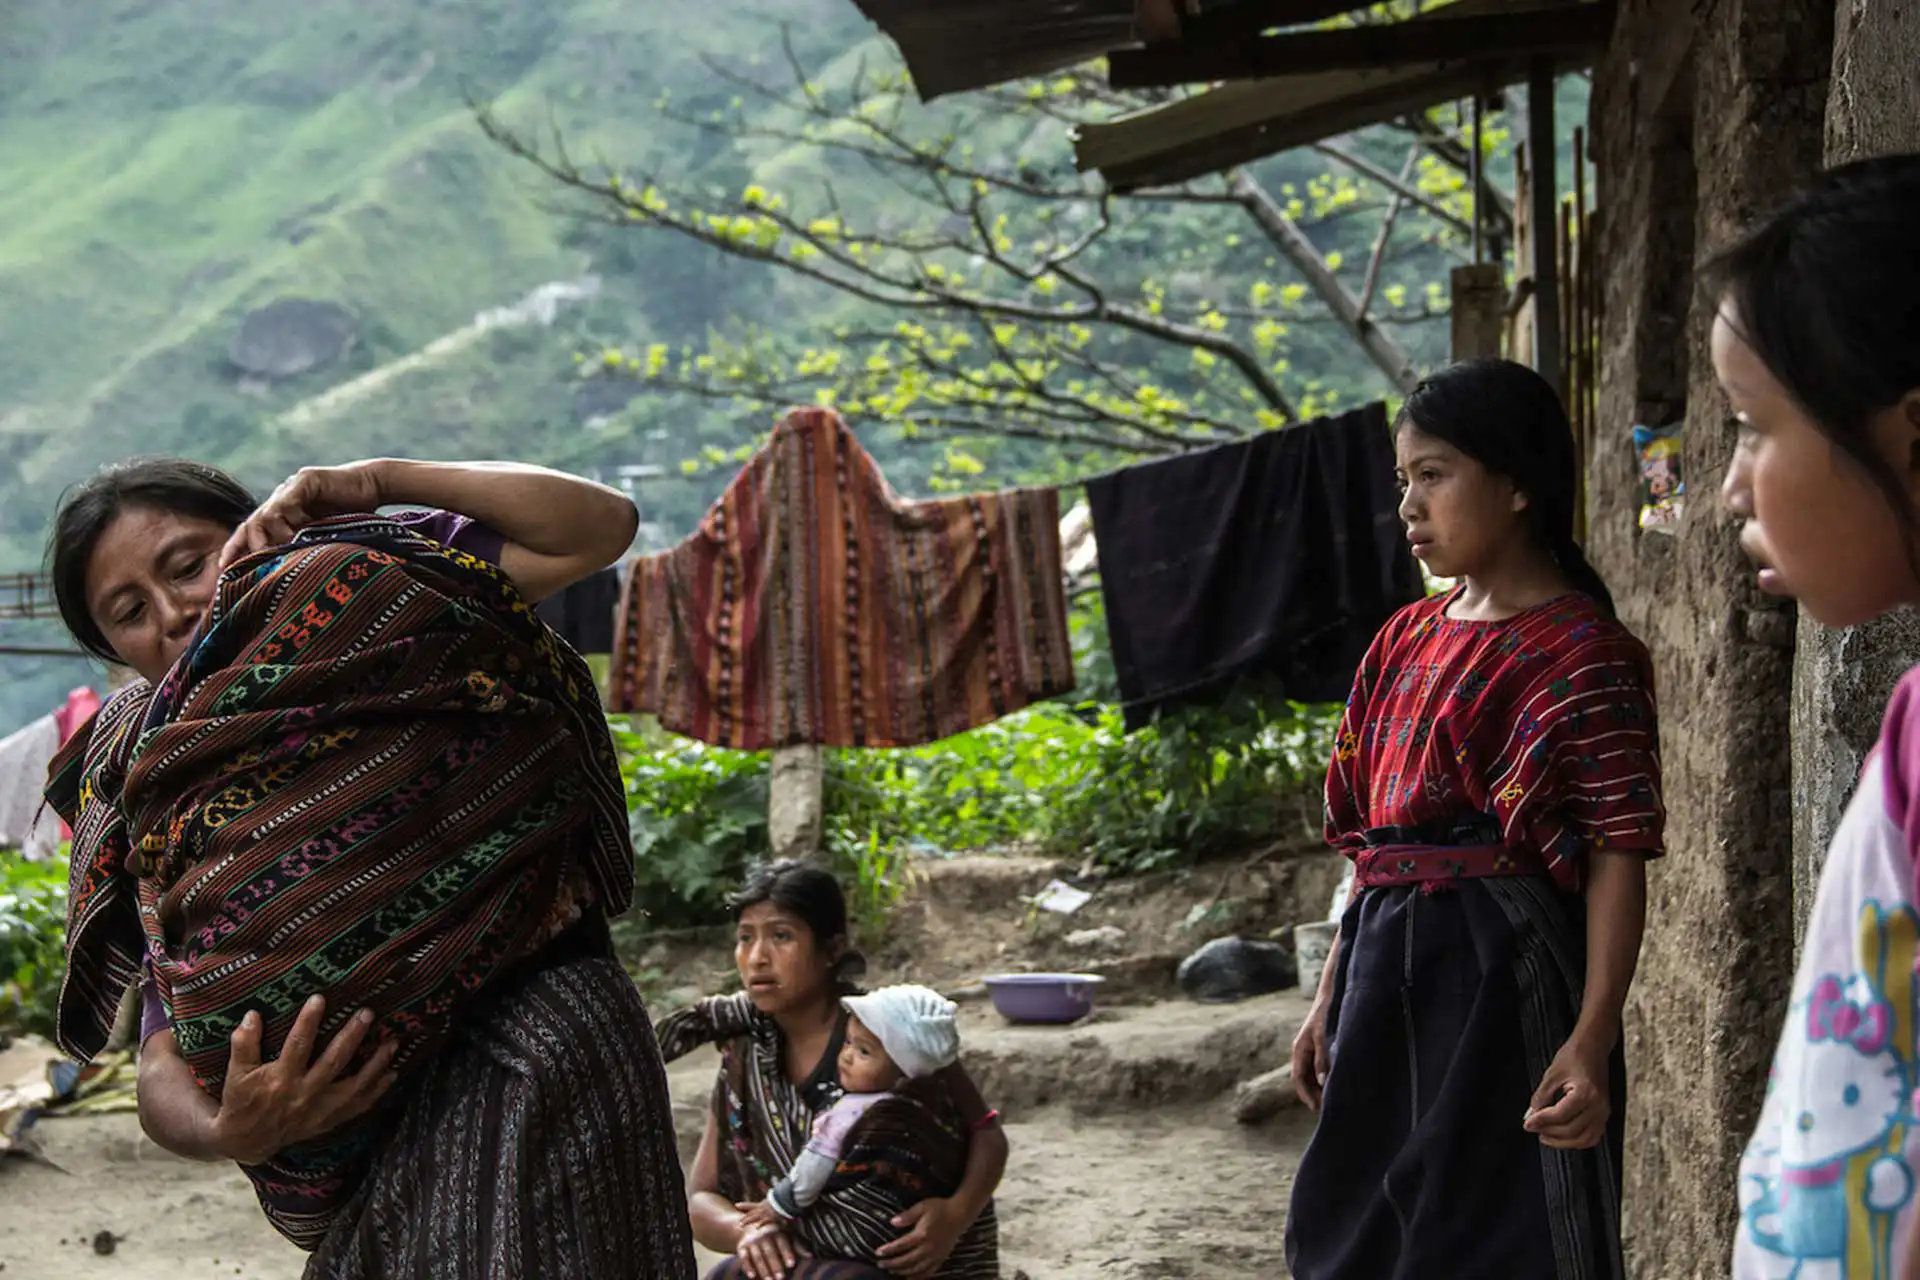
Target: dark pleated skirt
[[540, 1148], [1448, 1007]]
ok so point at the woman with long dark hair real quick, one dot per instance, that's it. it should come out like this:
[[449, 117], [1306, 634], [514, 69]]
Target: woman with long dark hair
[[933, 1153], [355, 831], [1496, 782]]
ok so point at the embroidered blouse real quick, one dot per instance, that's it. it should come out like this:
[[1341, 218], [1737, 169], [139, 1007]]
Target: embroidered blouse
[[1543, 722]]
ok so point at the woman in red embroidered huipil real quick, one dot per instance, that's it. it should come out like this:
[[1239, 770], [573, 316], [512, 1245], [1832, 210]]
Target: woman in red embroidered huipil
[[1496, 780]]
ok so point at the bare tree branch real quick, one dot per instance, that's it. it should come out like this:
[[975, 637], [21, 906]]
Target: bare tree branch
[[1386, 234], [1385, 353], [854, 266], [1459, 156], [1400, 186], [1024, 306]]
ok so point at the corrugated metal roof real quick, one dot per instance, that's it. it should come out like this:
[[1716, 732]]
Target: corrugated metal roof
[[953, 45]]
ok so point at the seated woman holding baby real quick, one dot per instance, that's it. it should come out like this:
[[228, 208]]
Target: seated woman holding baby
[[845, 1141]]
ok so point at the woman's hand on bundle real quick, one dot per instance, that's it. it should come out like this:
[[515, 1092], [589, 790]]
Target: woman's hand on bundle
[[933, 1228], [267, 1107], [767, 1253], [1570, 1109], [310, 494]]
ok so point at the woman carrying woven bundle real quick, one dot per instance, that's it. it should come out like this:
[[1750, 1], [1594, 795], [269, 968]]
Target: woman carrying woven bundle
[[356, 831], [1496, 781], [911, 1195]]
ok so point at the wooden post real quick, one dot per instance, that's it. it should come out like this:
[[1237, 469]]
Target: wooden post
[[1479, 310], [1478, 179], [1543, 168], [1520, 317], [796, 802]]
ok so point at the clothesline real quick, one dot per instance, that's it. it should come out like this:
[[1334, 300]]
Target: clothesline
[[812, 604]]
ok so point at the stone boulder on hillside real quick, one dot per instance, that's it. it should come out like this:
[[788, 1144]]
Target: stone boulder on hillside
[[292, 336]]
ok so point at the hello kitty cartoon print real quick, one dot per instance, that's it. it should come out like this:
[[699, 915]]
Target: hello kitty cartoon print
[[1827, 1185]]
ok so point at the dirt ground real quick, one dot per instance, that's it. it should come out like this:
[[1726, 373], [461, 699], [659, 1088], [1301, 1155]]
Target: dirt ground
[[1126, 1162]]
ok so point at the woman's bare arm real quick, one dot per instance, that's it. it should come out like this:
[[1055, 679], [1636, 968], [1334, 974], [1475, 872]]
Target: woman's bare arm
[[1616, 920], [264, 1107], [174, 1110], [988, 1150], [558, 528], [716, 1222]]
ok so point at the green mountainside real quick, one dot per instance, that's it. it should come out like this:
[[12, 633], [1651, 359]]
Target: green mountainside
[[175, 166]]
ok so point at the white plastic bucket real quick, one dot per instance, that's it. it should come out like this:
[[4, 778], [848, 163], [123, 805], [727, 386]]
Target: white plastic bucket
[[1311, 943]]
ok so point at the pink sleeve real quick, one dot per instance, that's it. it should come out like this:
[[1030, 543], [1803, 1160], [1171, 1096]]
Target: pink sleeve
[[1899, 751]]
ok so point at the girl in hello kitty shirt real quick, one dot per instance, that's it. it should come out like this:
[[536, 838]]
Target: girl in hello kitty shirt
[[1816, 342]]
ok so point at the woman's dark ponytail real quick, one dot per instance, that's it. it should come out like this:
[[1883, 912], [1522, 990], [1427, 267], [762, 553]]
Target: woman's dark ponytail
[[1510, 420], [1582, 576], [848, 971]]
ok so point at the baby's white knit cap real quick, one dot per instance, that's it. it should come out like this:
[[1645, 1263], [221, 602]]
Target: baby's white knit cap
[[914, 1025]]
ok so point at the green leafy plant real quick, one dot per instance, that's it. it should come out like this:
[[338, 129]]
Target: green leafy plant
[[33, 932], [1072, 782], [1067, 780], [698, 817]]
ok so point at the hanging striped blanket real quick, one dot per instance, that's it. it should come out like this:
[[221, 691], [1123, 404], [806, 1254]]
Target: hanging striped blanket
[[814, 606], [907, 1148], [375, 776]]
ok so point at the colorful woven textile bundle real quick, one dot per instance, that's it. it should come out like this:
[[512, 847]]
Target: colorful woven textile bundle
[[376, 776], [814, 606]]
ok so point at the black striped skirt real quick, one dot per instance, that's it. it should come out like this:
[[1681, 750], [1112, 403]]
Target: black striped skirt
[[541, 1147]]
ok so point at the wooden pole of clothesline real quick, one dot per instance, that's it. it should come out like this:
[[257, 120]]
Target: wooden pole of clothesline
[[796, 802]]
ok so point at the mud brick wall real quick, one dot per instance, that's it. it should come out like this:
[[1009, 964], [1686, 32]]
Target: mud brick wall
[[1702, 114]]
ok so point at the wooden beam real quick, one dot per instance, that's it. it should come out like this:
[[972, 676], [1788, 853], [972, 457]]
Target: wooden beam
[[970, 44], [1580, 27], [1240, 123], [1252, 17]]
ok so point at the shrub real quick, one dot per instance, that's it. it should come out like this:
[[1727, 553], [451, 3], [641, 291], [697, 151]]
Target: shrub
[[33, 931], [1066, 780]]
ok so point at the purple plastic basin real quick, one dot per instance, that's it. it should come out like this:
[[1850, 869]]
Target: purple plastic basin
[[1042, 997]]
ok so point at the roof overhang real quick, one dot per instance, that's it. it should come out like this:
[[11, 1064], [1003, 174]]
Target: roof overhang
[[951, 46], [1365, 76], [1276, 85], [1213, 50]]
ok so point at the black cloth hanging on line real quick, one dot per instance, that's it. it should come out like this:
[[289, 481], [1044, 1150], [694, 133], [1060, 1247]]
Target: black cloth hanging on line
[[583, 613], [1280, 555]]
